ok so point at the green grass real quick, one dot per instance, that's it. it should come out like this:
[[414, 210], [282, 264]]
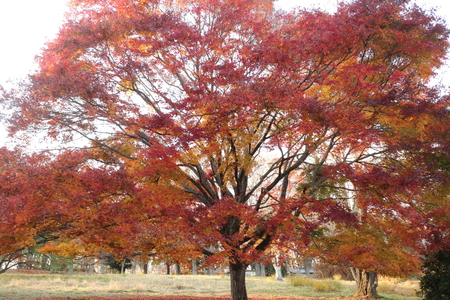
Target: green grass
[[21, 286]]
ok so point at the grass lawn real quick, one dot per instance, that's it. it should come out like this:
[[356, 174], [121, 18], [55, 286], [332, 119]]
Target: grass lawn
[[24, 286]]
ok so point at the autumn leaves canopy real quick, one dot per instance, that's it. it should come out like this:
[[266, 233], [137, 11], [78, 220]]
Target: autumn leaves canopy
[[250, 130]]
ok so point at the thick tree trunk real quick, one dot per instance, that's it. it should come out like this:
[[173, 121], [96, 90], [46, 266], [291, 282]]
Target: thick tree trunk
[[237, 277], [366, 282]]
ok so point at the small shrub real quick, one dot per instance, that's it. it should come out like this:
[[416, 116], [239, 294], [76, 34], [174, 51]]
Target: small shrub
[[337, 277], [317, 285], [327, 286], [300, 281]]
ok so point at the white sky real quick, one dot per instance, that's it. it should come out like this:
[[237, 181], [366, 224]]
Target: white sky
[[25, 26]]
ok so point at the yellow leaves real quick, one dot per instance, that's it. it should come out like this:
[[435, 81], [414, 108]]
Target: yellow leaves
[[126, 85], [65, 249]]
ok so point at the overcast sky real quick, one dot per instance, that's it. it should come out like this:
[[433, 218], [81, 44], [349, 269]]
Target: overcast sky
[[25, 26]]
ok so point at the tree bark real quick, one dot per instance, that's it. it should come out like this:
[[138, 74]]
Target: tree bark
[[122, 269], [102, 266], [194, 267], [258, 269], [91, 266], [211, 270], [237, 278], [366, 282], [133, 267], [277, 267], [167, 269], [145, 268], [307, 266]]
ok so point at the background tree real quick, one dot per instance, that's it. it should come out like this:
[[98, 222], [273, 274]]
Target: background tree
[[223, 110], [62, 198], [29, 211]]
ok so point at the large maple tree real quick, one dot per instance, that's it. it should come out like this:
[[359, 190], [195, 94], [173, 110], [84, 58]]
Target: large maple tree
[[231, 116]]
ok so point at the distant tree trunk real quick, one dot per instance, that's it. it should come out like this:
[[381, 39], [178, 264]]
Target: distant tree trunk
[[194, 267], [133, 267], [366, 282], [91, 266], [237, 278], [167, 269], [53, 264], [258, 269], [277, 267], [145, 269], [278, 272], [150, 266], [102, 266], [263, 270], [211, 270], [307, 266], [177, 269], [44, 262], [122, 269]]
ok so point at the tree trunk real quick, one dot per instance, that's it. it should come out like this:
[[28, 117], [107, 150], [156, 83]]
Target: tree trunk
[[122, 269], [263, 270], [194, 267], [307, 266], [102, 266], [277, 267], [146, 268], [258, 269], [53, 265], [167, 269], [211, 270], [91, 266], [133, 267], [278, 273], [366, 282], [237, 277]]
